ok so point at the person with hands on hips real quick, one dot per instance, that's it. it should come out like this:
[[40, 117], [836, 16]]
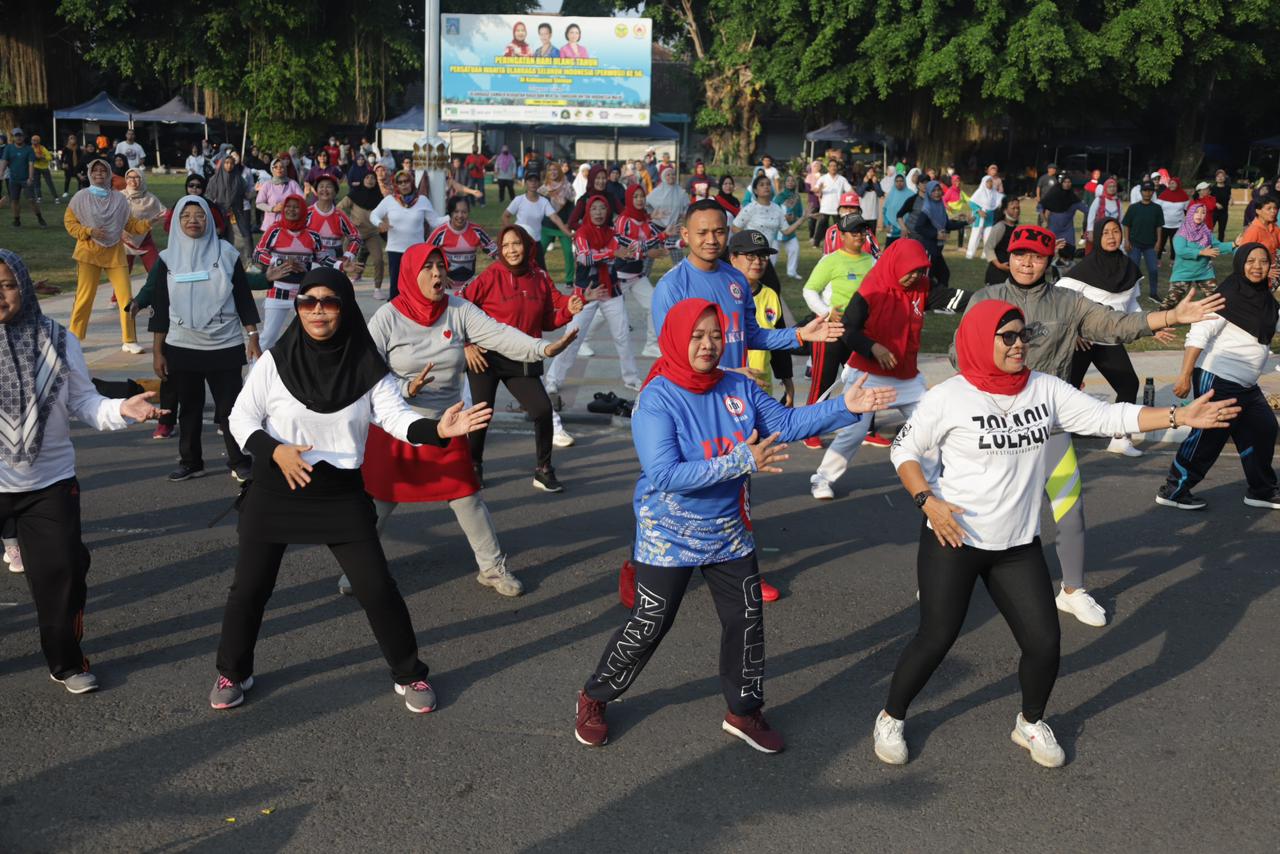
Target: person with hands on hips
[[304, 415], [989, 428], [700, 432]]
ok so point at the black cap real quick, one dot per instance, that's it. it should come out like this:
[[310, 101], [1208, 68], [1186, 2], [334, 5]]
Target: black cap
[[854, 222], [750, 241], [1147, 185]]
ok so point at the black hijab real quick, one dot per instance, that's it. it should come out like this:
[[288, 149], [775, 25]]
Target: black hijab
[[1249, 306], [365, 197], [1112, 271], [1058, 199], [326, 376]]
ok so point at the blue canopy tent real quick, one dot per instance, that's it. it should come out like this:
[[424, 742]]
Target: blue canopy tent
[[173, 112], [100, 108]]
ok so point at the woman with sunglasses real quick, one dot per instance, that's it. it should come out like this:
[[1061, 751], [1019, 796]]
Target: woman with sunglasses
[[1064, 317], [990, 429], [305, 415], [406, 217]]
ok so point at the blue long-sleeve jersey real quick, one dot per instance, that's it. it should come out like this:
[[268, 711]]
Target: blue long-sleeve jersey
[[727, 288], [692, 501]]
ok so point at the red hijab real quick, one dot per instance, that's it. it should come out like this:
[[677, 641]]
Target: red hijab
[[633, 210], [673, 341], [294, 224], [410, 301], [975, 343], [597, 236], [1175, 193], [900, 258], [952, 194]]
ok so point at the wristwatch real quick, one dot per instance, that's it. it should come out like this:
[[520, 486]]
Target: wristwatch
[[920, 498]]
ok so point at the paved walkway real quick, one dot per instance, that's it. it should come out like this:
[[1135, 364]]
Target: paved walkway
[[589, 375]]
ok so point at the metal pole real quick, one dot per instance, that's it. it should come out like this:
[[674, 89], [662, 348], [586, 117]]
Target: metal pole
[[433, 147], [244, 137]]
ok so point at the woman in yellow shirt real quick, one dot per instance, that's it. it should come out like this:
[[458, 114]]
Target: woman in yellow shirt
[[98, 217]]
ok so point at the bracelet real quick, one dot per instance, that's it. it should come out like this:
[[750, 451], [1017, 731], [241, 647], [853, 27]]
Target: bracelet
[[1173, 417], [253, 334]]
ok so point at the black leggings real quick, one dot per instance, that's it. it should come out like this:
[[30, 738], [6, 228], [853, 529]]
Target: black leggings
[[57, 565], [189, 389], [1165, 241], [735, 588], [531, 395], [365, 566], [1112, 361], [1018, 581], [1220, 220], [506, 189]]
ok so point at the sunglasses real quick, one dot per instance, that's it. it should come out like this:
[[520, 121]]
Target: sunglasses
[[1009, 338], [305, 303]]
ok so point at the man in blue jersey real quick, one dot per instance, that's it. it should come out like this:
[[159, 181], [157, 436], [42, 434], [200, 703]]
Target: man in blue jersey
[[705, 275]]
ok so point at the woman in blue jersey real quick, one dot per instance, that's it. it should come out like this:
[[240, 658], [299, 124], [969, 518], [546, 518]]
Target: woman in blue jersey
[[700, 432]]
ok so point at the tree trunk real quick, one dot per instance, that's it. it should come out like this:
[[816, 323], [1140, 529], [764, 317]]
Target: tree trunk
[[732, 115], [1190, 128]]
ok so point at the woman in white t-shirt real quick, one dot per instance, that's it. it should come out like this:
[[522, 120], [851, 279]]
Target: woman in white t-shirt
[[528, 211], [831, 187], [406, 217], [987, 427]]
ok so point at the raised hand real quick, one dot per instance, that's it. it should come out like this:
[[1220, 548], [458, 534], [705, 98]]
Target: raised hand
[[140, 408], [556, 347], [476, 362], [576, 304], [862, 400], [1193, 312], [1205, 413], [295, 469], [423, 377], [766, 453], [459, 422]]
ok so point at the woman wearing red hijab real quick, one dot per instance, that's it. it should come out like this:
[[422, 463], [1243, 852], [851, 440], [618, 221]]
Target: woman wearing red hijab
[[700, 432], [422, 335], [288, 249], [1174, 202], [988, 427], [597, 185], [882, 325]]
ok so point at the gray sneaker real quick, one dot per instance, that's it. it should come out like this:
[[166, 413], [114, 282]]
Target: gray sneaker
[[227, 694], [344, 586], [419, 697], [500, 579], [78, 683]]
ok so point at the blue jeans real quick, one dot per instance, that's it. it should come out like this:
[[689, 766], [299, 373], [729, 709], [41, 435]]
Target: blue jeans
[[1147, 254]]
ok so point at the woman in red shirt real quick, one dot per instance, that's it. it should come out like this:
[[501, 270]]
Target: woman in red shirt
[[519, 293]]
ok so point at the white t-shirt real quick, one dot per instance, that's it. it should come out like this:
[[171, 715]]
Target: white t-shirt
[[772, 173], [529, 213], [1229, 351], [407, 226], [1126, 302], [992, 450], [337, 438], [195, 164], [132, 152], [831, 188], [57, 458], [768, 219]]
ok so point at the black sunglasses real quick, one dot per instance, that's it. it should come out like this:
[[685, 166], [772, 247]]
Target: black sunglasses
[[1008, 338], [304, 302]]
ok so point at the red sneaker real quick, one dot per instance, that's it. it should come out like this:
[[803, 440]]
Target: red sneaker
[[627, 585], [768, 592], [813, 443], [754, 730], [590, 728], [875, 440], [163, 431]]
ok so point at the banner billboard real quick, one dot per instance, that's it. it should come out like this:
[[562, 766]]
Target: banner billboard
[[545, 69]]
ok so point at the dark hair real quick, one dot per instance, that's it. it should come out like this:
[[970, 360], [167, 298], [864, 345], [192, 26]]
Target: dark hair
[[451, 204], [544, 26], [723, 178], [1269, 199], [1010, 316], [703, 205], [572, 27], [1005, 202], [760, 176]]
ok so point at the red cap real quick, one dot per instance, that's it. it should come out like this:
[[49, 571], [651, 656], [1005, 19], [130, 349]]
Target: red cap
[[850, 200], [1033, 238]]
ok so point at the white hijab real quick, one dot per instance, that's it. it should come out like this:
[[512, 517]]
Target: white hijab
[[580, 182], [986, 196], [912, 177], [195, 303], [886, 183]]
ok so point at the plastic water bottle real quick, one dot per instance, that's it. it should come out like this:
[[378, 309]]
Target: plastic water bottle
[[1149, 392]]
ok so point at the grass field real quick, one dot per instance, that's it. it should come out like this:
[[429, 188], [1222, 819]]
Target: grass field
[[47, 253]]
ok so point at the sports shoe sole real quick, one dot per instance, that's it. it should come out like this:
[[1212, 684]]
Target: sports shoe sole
[[540, 485], [494, 582], [192, 476], [402, 691], [582, 740], [247, 684], [1067, 609], [1169, 502], [734, 731], [1020, 740], [1262, 502], [889, 760], [89, 690]]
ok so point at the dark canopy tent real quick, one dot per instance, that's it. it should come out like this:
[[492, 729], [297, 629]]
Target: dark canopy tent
[[173, 112], [1106, 141], [839, 131], [100, 108], [1270, 143]]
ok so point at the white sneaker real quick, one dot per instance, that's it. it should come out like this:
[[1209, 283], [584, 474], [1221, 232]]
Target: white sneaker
[[1123, 445], [501, 580], [891, 744], [585, 350], [633, 386], [1039, 739], [344, 586], [379, 294], [1082, 606], [131, 347], [561, 439], [820, 489], [651, 351], [13, 557]]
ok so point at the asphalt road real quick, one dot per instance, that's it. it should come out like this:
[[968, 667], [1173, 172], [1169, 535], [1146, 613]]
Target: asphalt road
[[1167, 715]]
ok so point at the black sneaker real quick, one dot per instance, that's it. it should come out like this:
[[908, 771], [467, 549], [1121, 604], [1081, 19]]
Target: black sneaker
[[185, 472], [1271, 502], [1183, 501], [545, 479]]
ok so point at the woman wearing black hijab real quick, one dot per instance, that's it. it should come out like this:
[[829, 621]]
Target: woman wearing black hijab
[[1107, 276], [1226, 354], [304, 415]]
